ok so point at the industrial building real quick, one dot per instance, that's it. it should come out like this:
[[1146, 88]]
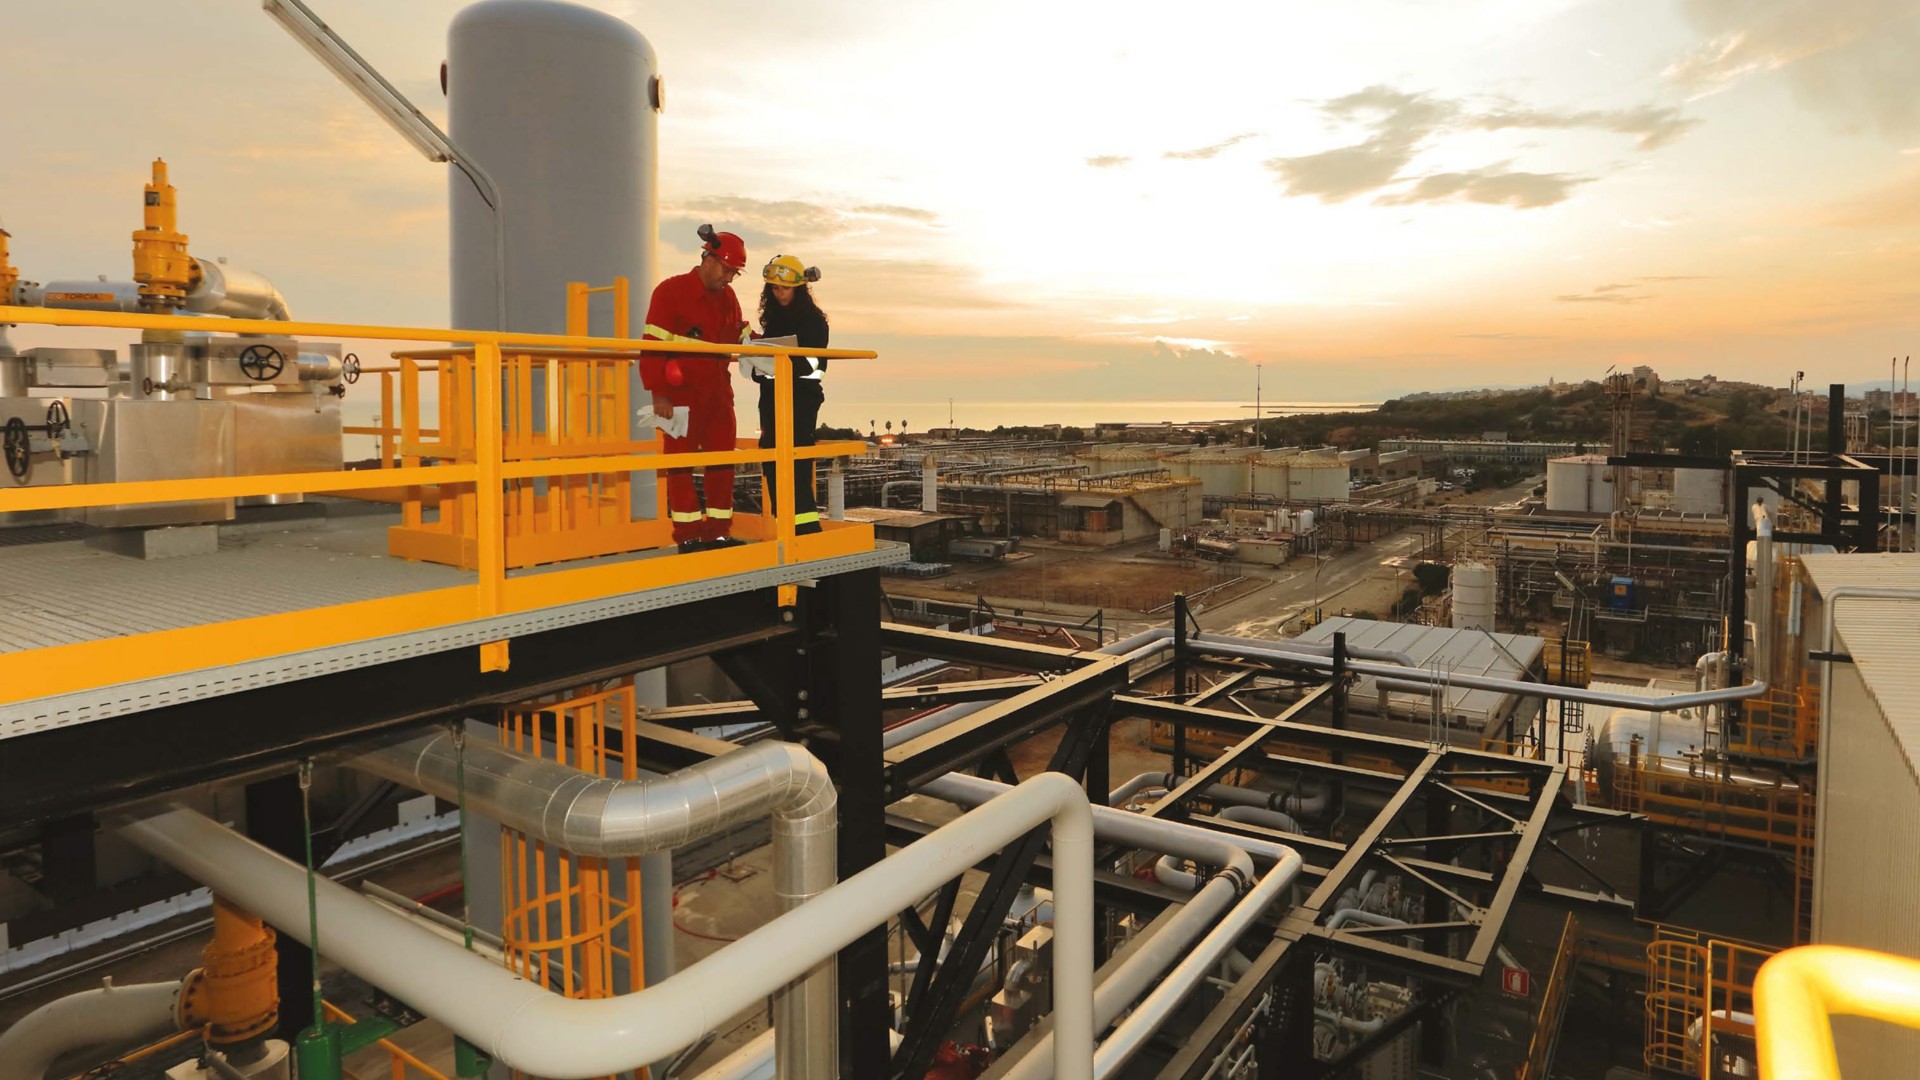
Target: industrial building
[[1518, 453]]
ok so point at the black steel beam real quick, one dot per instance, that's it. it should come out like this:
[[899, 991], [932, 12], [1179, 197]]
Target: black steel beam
[[928, 695], [1516, 869], [841, 620], [990, 652], [951, 747]]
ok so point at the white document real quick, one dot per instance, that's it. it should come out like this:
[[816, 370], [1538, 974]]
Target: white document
[[764, 364], [676, 427]]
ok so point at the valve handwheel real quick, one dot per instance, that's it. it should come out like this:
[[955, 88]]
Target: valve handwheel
[[261, 362], [58, 418], [350, 370], [19, 449]]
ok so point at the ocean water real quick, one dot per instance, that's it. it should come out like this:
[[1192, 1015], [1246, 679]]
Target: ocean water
[[923, 415], [362, 406]]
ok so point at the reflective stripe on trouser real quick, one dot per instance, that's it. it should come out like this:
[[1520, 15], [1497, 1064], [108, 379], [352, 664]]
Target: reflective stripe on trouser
[[710, 427]]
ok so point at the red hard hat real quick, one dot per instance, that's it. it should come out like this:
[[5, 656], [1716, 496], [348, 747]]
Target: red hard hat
[[732, 250], [727, 247]]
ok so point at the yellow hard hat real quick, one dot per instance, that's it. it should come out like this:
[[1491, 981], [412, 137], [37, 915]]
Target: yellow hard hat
[[785, 270]]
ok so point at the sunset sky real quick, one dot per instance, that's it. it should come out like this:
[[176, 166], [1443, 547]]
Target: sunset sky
[[1066, 201]]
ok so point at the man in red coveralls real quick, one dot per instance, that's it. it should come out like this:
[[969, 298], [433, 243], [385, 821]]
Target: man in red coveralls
[[698, 305]]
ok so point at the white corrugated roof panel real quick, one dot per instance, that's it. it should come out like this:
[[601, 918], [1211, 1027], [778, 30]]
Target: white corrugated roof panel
[[1882, 636], [1442, 649]]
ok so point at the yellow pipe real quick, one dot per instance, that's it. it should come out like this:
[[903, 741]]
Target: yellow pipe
[[160, 261], [235, 993], [1798, 992]]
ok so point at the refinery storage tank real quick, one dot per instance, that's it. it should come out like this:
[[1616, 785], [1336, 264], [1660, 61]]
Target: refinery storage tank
[[1699, 491], [1317, 479], [1580, 485], [1219, 474], [1473, 593], [1270, 478]]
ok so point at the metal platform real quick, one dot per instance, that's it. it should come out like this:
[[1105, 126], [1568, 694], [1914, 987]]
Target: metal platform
[[64, 592]]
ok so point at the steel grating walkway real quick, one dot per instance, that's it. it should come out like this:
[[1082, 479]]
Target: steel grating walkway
[[66, 591], [63, 591]]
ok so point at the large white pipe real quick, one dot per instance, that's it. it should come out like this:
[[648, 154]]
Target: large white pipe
[[1157, 1007], [1156, 954], [1266, 819], [609, 818], [526, 1027], [110, 1016]]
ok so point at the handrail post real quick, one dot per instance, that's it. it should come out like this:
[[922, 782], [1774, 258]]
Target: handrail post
[[490, 546], [783, 459]]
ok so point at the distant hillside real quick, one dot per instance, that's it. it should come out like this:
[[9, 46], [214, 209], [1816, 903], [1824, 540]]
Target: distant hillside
[[1694, 425]]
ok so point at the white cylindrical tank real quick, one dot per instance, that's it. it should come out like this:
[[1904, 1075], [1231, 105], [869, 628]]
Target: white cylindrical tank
[[1270, 478], [560, 105], [1473, 596], [1700, 491], [1303, 522], [1166, 539], [1579, 485], [1318, 479], [930, 484]]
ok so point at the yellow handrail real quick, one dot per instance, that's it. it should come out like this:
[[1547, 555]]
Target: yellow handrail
[[1800, 990], [506, 339], [475, 462]]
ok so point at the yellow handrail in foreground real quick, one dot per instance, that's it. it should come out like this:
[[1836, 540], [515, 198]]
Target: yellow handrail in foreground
[[1800, 990], [64, 668]]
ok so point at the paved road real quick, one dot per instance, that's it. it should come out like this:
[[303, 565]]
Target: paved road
[[1340, 581]]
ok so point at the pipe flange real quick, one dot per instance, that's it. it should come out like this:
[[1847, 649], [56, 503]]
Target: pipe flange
[[1241, 882]]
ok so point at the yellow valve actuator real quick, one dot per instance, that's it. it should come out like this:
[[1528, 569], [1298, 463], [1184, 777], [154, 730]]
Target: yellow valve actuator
[[160, 261], [9, 276]]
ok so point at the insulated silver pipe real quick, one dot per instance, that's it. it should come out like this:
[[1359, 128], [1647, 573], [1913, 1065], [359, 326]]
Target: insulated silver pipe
[[608, 818], [530, 1028]]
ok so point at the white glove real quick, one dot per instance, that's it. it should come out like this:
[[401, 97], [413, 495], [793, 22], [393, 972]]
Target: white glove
[[676, 427]]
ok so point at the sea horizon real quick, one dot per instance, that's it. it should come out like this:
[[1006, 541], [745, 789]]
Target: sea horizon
[[926, 415]]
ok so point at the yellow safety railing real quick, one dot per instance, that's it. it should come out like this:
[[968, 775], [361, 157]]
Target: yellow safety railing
[[1799, 991], [483, 469], [1553, 1003], [572, 922], [401, 1064]]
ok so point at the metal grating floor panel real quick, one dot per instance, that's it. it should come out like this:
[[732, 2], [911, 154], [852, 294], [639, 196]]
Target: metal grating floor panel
[[65, 591]]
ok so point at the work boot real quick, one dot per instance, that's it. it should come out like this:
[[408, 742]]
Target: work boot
[[687, 547], [727, 541]]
